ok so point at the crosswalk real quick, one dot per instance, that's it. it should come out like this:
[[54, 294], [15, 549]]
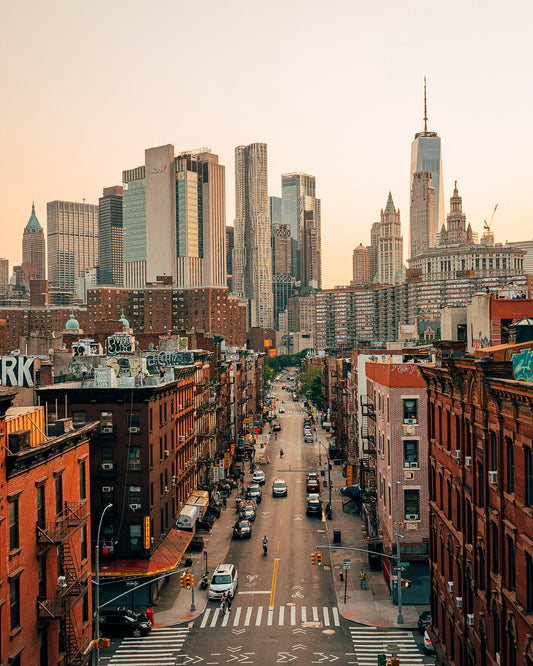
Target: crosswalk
[[160, 646], [369, 642], [281, 616]]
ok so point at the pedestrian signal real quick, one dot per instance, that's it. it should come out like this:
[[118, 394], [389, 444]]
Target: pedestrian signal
[[393, 661], [382, 659]]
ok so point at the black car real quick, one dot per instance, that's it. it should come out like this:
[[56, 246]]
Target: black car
[[424, 621], [276, 427], [314, 505], [242, 529], [123, 622], [254, 492]]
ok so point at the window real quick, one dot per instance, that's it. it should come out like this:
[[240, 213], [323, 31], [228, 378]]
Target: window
[[411, 498], [134, 497], [151, 416], [151, 455], [134, 459], [493, 451], [390, 503], [135, 532], [41, 562], [510, 464], [480, 484], [83, 480], [529, 583], [410, 453], [106, 457], [495, 548], [13, 524], [133, 420], [59, 494], [14, 603], [410, 410], [85, 607], [448, 430], [106, 421], [511, 564], [160, 448]]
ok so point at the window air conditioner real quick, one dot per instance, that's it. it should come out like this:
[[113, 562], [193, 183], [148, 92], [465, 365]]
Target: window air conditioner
[[468, 461], [107, 467], [166, 489], [459, 602], [450, 585], [408, 476], [411, 516], [106, 429], [415, 421], [458, 454], [182, 438], [406, 464], [470, 619], [134, 507], [414, 464], [167, 453], [107, 489], [493, 476], [133, 429], [181, 407]]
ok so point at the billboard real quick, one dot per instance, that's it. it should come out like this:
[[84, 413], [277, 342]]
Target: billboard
[[17, 371]]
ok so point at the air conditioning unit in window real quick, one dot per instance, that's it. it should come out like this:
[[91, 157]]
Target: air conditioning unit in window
[[106, 430], [408, 476], [493, 476], [133, 429], [107, 489], [107, 467], [406, 464], [166, 489], [450, 585], [414, 421], [181, 407], [470, 619], [414, 464], [468, 461], [134, 507], [182, 438], [411, 516], [459, 602], [458, 454]]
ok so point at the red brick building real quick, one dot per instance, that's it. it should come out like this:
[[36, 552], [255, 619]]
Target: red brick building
[[45, 537], [481, 505]]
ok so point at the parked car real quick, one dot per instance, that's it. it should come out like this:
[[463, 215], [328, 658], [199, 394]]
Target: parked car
[[259, 477], [224, 579], [424, 620], [428, 645], [276, 427], [242, 529], [308, 439], [279, 488], [313, 484], [314, 505], [254, 492], [122, 622], [247, 512], [282, 410]]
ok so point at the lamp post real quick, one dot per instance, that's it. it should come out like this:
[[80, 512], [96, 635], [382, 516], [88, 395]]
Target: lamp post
[[329, 471], [398, 559], [97, 581]]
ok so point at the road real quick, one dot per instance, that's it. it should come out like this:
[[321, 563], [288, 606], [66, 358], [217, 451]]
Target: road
[[285, 609]]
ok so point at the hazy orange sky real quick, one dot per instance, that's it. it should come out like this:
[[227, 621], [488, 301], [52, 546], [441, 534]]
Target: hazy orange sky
[[334, 88]]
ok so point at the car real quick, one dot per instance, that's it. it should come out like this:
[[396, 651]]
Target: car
[[282, 410], [224, 579], [247, 512], [424, 620], [313, 485], [276, 427], [259, 477], [242, 529], [254, 492], [308, 439], [279, 488], [122, 622], [428, 645], [314, 505]]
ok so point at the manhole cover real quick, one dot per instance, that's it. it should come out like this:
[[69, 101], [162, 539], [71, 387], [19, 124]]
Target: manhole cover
[[328, 632]]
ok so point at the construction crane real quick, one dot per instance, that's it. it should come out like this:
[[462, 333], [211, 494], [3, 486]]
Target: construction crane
[[488, 226]]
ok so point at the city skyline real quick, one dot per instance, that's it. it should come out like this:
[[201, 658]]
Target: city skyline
[[476, 93]]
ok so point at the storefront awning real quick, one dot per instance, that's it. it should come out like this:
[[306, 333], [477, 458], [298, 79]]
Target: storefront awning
[[165, 558]]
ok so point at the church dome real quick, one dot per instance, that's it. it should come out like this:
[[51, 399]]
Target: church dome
[[125, 322], [72, 324]]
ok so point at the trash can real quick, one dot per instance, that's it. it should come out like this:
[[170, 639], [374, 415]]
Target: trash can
[[150, 614], [337, 536]]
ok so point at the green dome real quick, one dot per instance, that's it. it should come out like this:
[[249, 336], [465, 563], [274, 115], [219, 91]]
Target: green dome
[[125, 322], [33, 222], [72, 324]]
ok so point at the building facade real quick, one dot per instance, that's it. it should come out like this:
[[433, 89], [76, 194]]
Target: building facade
[[72, 234], [252, 255], [111, 237], [422, 214], [389, 245], [33, 248], [360, 266]]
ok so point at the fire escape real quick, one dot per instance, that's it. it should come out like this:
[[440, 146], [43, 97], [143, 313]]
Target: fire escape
[[71, 584], [368, 458]]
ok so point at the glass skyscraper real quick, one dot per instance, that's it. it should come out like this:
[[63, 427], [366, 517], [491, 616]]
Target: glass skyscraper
[[110, 237]]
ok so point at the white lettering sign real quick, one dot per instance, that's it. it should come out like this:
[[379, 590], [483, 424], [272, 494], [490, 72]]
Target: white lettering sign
[[16, 371]]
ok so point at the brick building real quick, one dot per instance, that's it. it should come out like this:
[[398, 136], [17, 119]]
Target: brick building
[[481, 503], [45, 537]]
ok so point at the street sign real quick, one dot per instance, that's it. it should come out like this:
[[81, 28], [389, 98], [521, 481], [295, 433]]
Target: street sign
[[404, 564], [346, 564]]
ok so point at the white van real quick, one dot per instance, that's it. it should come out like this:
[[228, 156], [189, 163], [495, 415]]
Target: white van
[[187, 518], [224, 579]]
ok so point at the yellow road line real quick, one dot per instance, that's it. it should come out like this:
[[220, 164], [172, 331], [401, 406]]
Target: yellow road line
[[277, 549], [274, 581]]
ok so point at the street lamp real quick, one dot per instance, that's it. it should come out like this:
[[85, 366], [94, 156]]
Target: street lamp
[[398, 559], [97, 582], [329, 470]]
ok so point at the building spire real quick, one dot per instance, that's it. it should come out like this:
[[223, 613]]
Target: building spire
[[425, 108]]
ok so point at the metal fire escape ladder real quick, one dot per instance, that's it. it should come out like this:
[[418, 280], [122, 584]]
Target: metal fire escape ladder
[[368, 453]]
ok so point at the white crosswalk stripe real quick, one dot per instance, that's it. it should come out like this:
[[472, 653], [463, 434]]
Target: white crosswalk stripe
[[160, 646], [369, 642], [256, 616]]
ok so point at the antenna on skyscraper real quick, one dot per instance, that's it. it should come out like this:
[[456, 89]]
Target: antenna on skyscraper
[[425, 108]]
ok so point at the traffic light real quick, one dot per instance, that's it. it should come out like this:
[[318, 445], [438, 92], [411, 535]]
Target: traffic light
[[190, 581], [103, 643], [314, 558], [183, 580], [393, 661], [319, 559], [406, 583]]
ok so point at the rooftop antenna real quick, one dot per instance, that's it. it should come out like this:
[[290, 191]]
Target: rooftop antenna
[[425, 108]]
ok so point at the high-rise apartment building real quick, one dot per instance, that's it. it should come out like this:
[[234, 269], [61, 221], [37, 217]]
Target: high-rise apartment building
[[252, 255], [282, 279], [422, 214], [174, 215], [301, 210], [72, 231], [4, 277], [230, 244], [361, 266], [110, 237], [389, 244], [33, 247], [426, 156]]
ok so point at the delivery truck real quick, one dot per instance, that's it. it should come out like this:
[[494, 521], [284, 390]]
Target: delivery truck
[[201, 503], [187, 518]]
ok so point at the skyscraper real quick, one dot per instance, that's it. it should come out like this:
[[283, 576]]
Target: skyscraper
[[282, 280], [72, 242], [422, 214], [252, 255], [274, 210], [33, 247], [426, 156], [174, 216], [389, 244], [360, 266], [301, 210], [4, 277], [110, 237]]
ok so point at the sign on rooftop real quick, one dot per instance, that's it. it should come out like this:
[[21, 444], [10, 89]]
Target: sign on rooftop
[[17, 371]]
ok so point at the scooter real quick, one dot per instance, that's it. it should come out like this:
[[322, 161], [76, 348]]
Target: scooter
[[204, 581], [265, 547]]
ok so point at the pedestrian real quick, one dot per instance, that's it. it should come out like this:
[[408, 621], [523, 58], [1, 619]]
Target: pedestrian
[[224, 501], [223, 605], [228, 601], [362, 579]]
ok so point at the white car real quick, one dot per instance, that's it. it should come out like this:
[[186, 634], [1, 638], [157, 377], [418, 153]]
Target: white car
[[259, 477], [428, 645], [224, 579], [282, 410]]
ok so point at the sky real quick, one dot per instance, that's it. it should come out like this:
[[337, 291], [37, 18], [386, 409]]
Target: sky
[[334, 88]]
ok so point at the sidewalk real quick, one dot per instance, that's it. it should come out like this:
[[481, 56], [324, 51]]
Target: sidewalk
[[372, 606]]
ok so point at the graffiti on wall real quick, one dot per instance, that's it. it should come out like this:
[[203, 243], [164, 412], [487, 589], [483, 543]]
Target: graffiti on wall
[[120, 344], [161, 359], [16, 370], [124, 366], [523, 365]]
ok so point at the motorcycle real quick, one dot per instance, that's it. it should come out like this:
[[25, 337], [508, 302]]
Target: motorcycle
[[204, 581], [265, 547]]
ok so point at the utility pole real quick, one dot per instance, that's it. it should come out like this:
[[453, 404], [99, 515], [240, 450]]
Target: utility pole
[[398, 559]]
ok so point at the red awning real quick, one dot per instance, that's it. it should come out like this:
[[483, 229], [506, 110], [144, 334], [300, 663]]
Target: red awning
[[165, 558]]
